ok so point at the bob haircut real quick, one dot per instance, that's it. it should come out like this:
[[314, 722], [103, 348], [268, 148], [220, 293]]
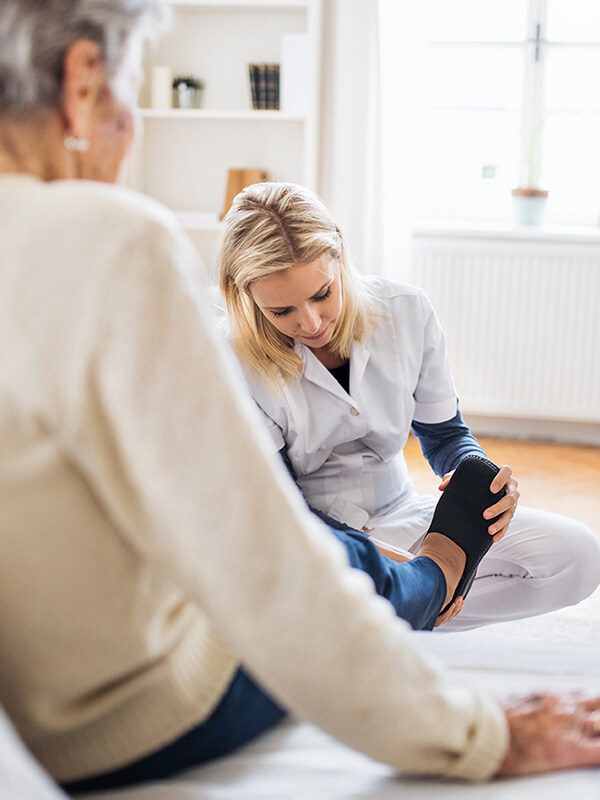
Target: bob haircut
[[269, 228], [35, 35]]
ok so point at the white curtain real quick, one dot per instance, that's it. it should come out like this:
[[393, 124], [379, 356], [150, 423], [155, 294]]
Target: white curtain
[[369, 124]]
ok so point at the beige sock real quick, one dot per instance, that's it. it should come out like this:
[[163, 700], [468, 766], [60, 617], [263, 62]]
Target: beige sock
[[449, 557]]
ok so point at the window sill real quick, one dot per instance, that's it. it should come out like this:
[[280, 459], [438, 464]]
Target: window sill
[[564, 234]]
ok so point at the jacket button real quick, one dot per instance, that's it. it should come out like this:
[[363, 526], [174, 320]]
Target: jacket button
[[354, 411]]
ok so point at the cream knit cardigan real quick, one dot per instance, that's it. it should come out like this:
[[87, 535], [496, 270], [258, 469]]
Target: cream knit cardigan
[[148, 540]]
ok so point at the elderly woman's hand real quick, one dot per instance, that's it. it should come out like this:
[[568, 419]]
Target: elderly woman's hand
[[505, 507], [549, 732]]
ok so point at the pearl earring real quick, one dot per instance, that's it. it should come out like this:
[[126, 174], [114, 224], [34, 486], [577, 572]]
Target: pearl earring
[[76, 144]]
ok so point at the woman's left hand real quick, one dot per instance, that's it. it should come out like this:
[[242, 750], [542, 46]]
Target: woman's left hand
[[456, 607], [505, 507]]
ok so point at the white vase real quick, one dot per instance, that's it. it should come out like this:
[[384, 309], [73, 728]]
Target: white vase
[[529, 206]]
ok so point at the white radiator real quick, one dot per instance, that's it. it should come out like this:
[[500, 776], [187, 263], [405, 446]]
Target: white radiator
[[522, 323]]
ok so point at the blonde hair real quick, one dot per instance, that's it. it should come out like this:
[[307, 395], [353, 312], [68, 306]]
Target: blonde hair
[[269, 228]]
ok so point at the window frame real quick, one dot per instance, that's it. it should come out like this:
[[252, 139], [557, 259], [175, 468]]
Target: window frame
[[535, 47]]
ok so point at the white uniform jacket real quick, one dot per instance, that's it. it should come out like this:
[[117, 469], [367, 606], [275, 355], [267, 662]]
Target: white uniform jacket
[[347, 448]]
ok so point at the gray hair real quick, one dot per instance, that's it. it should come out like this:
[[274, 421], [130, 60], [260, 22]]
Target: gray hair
[[35, 35]]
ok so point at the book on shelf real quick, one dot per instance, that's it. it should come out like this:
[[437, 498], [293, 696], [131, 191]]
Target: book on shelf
[[272, 86], [264, 86], [253, 75]]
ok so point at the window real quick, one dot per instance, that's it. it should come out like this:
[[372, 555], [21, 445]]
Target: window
[[510, 94]]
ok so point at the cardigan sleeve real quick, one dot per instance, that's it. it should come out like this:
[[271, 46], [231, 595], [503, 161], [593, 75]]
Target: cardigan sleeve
[[178, 454]]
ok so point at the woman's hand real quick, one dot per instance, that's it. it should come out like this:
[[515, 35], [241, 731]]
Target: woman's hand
[[456, 607], [549, 733], [505, 507]]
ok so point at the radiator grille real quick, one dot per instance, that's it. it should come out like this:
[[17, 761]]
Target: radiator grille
[[522, 324]]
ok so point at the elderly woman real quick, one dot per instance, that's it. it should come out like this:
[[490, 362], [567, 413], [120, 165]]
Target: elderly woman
[[128, 597]]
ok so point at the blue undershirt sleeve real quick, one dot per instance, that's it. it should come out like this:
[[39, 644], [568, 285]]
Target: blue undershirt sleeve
[[445, 444]]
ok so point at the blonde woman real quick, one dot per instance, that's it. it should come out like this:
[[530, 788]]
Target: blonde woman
[[342, 367]]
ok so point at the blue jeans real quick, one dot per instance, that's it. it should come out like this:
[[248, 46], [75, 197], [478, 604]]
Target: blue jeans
[[244, 712], [416, 589]]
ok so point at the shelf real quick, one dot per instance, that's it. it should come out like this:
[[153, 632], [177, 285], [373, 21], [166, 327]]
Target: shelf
[[199, 220], [283, 5], [583, 234], [185, 154], [224, 114]]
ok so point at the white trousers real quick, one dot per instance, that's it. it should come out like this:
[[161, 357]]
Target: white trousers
[[544, 562]]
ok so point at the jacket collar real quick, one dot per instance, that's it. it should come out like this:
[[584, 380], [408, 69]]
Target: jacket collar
[[316, 373]]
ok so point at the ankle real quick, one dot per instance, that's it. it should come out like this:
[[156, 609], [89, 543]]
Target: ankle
[[449, 557]]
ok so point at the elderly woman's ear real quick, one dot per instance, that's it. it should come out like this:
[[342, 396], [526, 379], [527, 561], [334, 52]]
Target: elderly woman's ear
[[84, 79]]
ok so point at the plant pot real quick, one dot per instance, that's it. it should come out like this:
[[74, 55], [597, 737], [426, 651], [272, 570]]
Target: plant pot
[[187, 92], [529, 205]]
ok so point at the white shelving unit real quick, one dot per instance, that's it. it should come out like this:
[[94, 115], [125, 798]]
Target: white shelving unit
[[185, 154]]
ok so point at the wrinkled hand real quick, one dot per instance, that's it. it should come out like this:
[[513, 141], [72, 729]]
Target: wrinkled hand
[[505, 507], [549, 733], [456, 607]]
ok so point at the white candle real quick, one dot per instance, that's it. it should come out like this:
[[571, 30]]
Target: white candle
[[162, 83]]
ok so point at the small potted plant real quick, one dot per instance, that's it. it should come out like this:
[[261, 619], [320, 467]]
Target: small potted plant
[[187, 91], [529, 199]]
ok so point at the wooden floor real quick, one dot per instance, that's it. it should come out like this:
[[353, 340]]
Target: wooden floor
[[555, 477]]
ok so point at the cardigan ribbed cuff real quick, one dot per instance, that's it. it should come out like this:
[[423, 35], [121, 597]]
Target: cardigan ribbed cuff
[[168, 700]]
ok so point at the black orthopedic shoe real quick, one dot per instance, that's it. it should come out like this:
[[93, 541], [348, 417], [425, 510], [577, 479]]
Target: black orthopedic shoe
[[459, 514]]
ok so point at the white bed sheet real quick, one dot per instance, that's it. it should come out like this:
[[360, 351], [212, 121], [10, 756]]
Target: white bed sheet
[[297, 761]]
